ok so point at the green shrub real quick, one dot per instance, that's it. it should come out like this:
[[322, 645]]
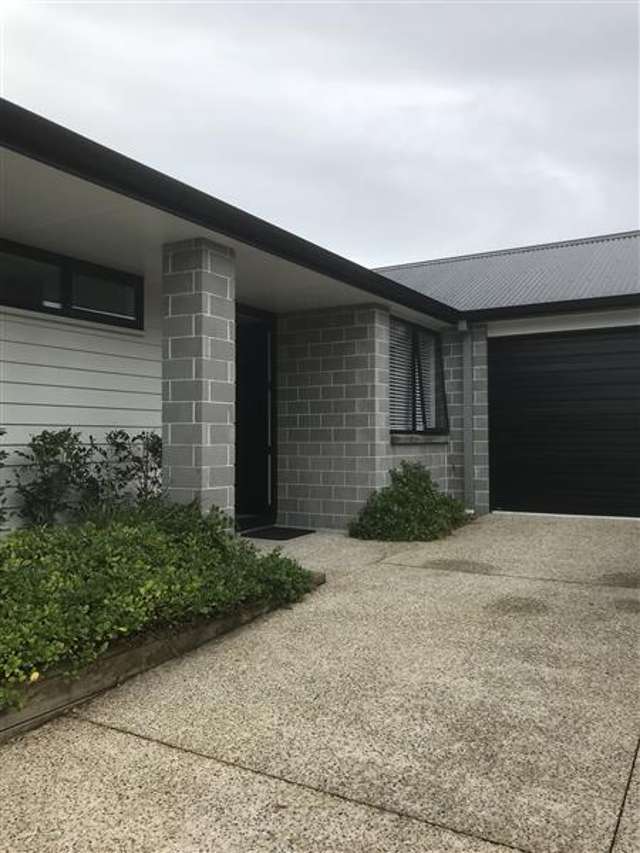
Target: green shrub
[[67, 592], [410, 509], [177, 520], [63, 476], [125, 467], [56, 466]]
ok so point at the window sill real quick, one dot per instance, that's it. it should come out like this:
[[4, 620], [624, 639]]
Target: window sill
[[412, 438]]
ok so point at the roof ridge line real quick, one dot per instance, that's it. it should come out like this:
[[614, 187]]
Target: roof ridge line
[[534, 247]]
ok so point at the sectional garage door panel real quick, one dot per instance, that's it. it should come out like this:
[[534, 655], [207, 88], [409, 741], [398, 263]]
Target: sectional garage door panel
[[564, 422]]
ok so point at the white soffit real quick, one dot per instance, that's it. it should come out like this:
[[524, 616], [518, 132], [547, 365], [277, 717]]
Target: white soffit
[[49, 209]]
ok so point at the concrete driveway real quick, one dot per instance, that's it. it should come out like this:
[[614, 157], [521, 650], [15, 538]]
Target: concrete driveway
[[479, 694]]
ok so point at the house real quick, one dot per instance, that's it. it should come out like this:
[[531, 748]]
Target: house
[[287, 380], [561, 326]]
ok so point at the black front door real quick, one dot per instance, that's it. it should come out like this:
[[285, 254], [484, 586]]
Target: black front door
[[255, 504]]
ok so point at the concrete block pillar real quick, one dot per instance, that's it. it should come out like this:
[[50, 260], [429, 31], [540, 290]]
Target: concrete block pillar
[[198, 373], [379, 324], [480, 415]]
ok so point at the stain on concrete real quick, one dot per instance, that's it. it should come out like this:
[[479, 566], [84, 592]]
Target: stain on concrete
[[627, 605], [517, 605], [470, 566], [626, 579]]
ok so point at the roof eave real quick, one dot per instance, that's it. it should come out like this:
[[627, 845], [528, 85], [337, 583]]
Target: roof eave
[[567, 306], [47, 142]]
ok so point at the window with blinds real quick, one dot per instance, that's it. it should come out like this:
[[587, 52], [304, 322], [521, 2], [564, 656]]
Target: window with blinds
[[416, 380]]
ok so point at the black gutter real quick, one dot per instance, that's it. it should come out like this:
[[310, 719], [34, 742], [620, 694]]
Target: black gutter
[[40, 139], [594, 303]]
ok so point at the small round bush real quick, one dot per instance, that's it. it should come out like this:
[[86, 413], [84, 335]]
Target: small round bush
[[410, 509]]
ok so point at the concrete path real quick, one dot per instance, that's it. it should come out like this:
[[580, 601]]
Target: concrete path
[[480, 694]]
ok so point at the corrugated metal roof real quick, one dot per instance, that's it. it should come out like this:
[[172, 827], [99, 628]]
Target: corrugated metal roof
[[588, 268]]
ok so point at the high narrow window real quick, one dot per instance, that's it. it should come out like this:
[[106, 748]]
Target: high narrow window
[[41, 281], [417, 401]]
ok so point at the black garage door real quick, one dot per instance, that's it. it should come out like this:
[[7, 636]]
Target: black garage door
[[564, 422]]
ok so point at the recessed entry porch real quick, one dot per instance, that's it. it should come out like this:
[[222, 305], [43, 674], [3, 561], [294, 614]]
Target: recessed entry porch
[[267, 376]]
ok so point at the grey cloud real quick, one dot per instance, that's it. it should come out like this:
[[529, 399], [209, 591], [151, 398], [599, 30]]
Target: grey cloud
[[386, 133]]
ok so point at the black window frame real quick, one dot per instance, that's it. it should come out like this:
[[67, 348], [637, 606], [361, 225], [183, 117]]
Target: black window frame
[[439, 396], [68, 267]]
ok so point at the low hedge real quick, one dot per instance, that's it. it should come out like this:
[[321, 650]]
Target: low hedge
[[410, 509], [67, 592]]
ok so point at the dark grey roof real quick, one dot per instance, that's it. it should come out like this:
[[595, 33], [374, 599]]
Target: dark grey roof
[[588, 268]]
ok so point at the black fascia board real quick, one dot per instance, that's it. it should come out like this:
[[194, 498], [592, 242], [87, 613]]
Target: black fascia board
[[567, 306], [40, 139]]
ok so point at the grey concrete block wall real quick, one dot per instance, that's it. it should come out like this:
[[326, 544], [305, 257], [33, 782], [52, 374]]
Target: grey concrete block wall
[[432, 456], [452, 365], [198, 373], [448, 466], [334, 444], [333, 416], [445, 460], [480, 409]]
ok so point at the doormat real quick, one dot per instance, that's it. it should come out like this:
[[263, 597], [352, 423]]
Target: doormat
[[279, 533]]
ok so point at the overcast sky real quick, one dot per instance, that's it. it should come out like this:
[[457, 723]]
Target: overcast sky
[[385, 132]]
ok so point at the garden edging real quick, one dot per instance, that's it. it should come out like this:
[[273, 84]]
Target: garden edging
[[53, 696]]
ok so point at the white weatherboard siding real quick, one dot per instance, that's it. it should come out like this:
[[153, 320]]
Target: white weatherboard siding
[[58, 372]]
